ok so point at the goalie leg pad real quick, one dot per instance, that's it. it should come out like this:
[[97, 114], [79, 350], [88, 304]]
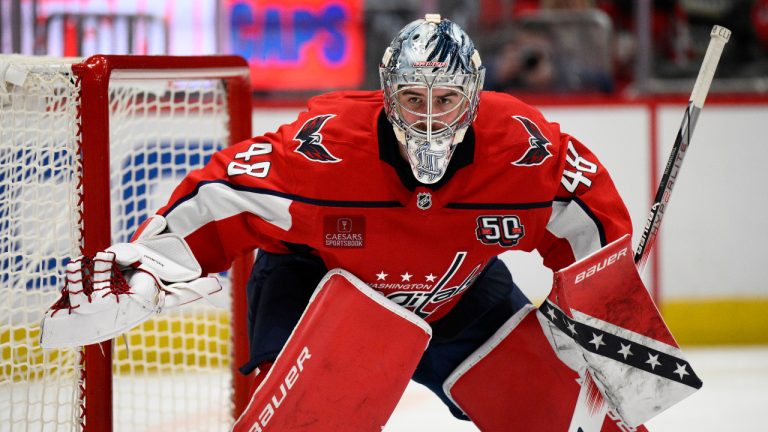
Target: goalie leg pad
[[516, 382], [598, 325], [604, 312], [344, 367]]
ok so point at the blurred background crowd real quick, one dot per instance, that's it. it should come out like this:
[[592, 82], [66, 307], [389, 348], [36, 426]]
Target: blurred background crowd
[[555, 47], [612, 46]]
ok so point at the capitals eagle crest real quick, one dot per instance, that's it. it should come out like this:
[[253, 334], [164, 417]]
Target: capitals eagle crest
[[311, 140], [538, 151]]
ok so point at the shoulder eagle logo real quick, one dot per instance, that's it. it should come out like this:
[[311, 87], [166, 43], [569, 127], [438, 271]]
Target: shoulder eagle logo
[[538, 151], [311, 140]]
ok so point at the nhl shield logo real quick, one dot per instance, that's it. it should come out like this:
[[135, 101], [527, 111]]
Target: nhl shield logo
[[424, 200]]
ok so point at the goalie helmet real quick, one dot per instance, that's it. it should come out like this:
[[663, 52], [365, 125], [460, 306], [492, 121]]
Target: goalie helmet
[[431, 75]]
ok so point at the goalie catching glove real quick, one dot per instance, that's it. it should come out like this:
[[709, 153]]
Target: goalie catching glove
[[107, 294]]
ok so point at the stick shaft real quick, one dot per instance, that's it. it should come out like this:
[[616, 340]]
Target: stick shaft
[[719, 37]]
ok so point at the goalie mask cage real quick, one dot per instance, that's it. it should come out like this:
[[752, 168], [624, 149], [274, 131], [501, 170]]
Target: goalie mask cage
[[88, 150]]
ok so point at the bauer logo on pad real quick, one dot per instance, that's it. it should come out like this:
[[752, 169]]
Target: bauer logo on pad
[[344, 231]]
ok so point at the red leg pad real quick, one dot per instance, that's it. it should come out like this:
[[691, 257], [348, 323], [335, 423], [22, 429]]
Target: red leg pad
[[345, 366], [516, 382], [605, 316]]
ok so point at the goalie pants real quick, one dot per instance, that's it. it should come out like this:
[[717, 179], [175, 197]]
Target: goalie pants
[[280, 286]]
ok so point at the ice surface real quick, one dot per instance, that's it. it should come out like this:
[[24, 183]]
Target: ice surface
[[734, 398]]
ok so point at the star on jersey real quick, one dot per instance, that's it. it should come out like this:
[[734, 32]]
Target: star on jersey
[[406, 277], [425, 296]]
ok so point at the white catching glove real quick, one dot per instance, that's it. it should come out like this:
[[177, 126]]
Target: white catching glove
[[125, 285]]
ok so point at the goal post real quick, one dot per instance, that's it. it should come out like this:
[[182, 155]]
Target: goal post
[[89, 148]]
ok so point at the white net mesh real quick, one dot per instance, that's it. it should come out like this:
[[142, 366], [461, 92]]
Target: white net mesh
[[174, 372], [38, 230], [160, 130]]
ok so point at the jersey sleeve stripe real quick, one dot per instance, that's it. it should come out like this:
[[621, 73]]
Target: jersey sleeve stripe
[[215, 201], [290, 197], [573, 221]]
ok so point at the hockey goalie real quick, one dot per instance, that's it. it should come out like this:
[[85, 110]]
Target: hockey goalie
[[379, 217]]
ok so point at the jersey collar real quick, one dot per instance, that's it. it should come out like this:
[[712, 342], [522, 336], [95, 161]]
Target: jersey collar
[[388, 152]]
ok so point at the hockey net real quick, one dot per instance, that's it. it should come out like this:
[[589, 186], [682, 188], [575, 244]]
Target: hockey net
[[89, 149]]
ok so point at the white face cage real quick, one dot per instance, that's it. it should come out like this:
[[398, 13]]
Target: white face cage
[[431, 76]]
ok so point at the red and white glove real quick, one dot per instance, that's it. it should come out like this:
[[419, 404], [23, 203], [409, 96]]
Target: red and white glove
[[109, 293]]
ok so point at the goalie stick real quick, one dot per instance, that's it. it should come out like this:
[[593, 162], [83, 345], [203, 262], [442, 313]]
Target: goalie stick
[[718, 38], [604, 359], [590, 406]]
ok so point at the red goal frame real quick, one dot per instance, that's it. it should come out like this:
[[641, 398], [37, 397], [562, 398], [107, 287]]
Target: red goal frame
[[94, 74]]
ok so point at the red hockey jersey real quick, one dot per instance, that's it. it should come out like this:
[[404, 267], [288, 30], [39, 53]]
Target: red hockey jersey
[[333, 180]]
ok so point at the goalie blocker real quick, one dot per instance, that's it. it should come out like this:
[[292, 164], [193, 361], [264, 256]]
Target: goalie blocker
[[596, 356], [344, 367]]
